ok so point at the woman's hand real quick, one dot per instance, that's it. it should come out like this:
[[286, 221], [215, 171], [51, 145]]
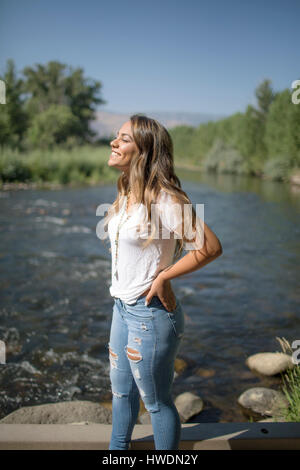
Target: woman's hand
[[163, 289]]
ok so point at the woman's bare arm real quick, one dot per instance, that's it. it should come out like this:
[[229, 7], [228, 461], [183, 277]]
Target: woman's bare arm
[[195, 259], [192, 261]]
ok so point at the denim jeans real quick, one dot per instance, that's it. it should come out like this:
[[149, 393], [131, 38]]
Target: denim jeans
[[143, 344]]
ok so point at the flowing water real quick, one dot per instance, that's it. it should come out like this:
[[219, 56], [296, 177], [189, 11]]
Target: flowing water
[[56, 308]]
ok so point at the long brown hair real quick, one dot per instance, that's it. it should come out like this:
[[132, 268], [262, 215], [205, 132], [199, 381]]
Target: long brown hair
[[150, 171]]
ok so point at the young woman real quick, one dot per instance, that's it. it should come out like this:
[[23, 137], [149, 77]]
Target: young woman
[[147, 226]]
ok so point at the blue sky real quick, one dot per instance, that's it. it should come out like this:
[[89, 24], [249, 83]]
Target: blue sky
[[197, 56]]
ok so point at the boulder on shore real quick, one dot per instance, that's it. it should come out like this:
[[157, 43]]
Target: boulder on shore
[[269, 363], [60, 413], [260, 402], [188, 404]]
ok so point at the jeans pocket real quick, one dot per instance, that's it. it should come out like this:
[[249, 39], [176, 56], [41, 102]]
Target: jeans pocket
[[156, 302], [139, 311], [176, 318]]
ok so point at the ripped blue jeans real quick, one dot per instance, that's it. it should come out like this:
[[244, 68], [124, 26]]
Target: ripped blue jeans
[[143, 344]]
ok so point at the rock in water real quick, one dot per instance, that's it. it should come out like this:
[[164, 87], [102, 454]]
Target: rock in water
[[269, 363], [260, 401], [188, 404]]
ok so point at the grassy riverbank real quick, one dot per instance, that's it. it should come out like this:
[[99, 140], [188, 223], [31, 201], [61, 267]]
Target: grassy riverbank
[[41, 168], [87, 165]]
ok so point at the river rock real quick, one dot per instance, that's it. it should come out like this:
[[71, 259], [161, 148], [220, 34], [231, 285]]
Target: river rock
[[269, 363], [206, 373], [180, 365], [261, 402], [295, 177], [144, 418], [278, 419], [66, 412], [188, 404], [82, 422]]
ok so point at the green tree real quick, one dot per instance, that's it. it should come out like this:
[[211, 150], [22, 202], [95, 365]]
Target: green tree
[[54, 126], [265, 96], [57, 84], [277, 136], [251, 135], [44, 85], [251, 141], [82, 94], [294, 133], [13, 117], [182, 138]]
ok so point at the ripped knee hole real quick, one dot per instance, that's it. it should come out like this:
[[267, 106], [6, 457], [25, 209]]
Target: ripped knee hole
[[133, 354], [114, 355]]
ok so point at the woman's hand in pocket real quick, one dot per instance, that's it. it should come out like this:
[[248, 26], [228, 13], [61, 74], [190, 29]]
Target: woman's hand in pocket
[[163, 289]]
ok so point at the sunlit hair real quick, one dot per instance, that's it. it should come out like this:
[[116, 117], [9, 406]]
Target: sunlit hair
[[150, 171]]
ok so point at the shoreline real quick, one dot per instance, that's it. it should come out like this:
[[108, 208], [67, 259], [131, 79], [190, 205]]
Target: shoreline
[[294, 180], [48, 185]]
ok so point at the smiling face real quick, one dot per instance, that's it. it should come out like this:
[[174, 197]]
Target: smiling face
[[123, 148]]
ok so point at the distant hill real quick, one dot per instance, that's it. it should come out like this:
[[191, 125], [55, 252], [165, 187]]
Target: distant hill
[[108, 122]]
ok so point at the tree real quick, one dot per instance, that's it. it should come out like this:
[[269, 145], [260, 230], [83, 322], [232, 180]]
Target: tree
[[294, 132], [265, 96], [53, 126], [13, 118], [277, 125], [182, 136], [252, 125], [57, 84], [251, 135], [283, 128]]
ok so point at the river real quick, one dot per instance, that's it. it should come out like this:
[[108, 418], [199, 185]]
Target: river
[[56, 308]]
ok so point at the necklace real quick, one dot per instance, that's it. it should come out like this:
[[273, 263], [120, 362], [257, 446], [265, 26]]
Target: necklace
[[118, 233]]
